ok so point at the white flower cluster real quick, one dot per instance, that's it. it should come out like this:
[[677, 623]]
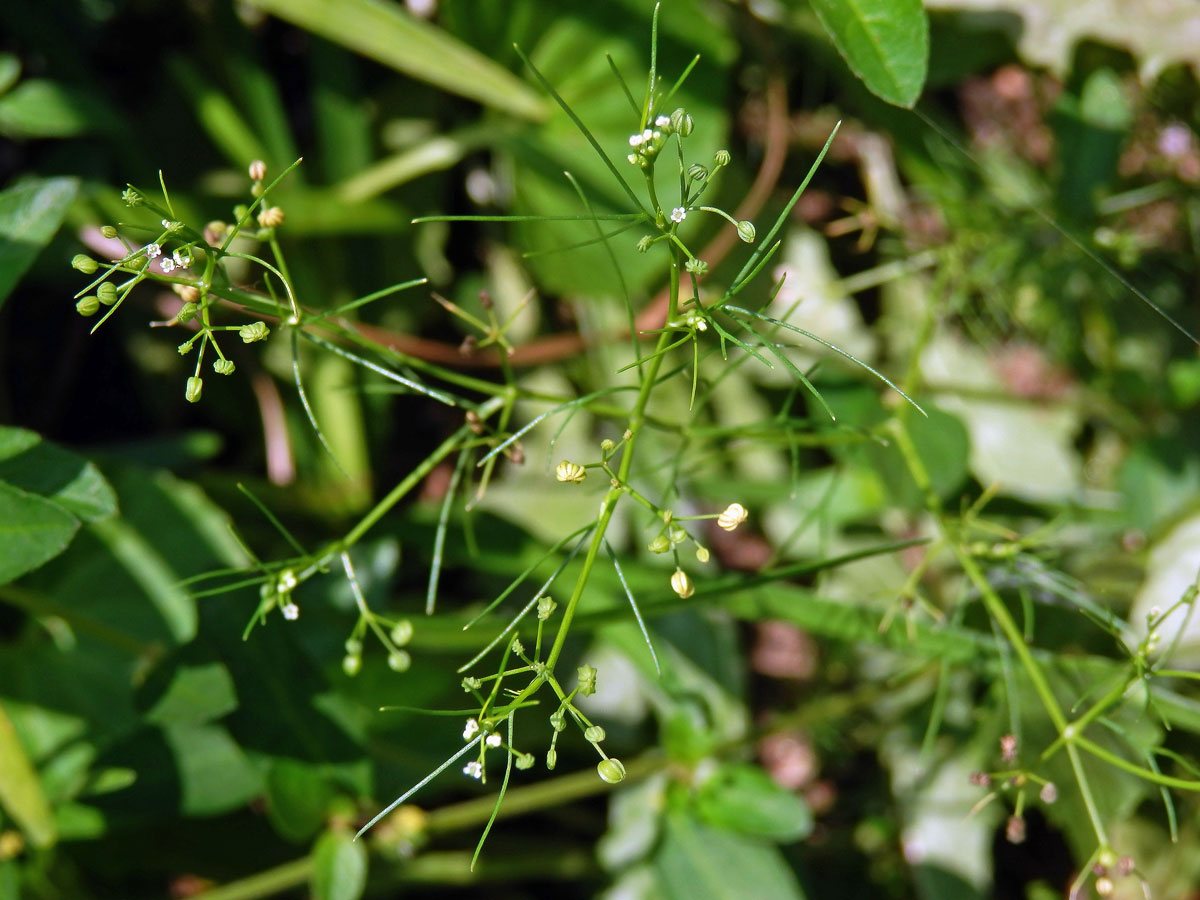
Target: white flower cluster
[[647, 144], [179, 259]]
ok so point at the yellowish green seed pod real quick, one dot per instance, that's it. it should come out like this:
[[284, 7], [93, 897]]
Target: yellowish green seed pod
[[107, 293], [721, 158], [594, 734], [399, 661], [567, 471], [659, 545], [611, 770], [745, 230], [195, 385], [223, 366], [256, 331], [108, 232], [88, 305]]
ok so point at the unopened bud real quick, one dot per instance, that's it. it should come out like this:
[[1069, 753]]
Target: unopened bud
[[81, 262], [745, 230], [258, 170], [594, 734], [402, 632], [223, 366], [551, 758], [187, 312], [681, 584], [659, 545], [545, 608], [611, 770], [399, 661], [696, 266], [108, 232], [88, 305], [587, 680], [1014, 830], [644, 243], [681, 122], [351, 663], [272, 217], [702, 554], [721, 158], [195, 385], [1048, 793], [525, 761], [697, 172], [107, 293], [567, 471]]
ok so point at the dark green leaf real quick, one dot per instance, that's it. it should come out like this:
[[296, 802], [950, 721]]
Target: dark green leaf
[[214, 774], [32, 531], [38, 108], [194, 695], [298, 798], [39, 467], [30, 213], [339, 867], [885, 43]]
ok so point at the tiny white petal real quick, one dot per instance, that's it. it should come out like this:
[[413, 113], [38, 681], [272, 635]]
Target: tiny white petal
[[647, 134], [662, 121], [678, 214], [632, 157], [635, 140], [153, 251], [493, 740], [471, 730], [167, 265], [474, 769], [290, 611]]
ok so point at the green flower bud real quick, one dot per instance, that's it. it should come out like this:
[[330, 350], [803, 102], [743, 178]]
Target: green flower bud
[[681, 122], [108, 232], [131, 197], [402, 632], [256, 331], [524, 761], [745, 230], [587, 680], [351, 663], [660, 544], [721, 158], [185, 348], [644, 243], [696, 266], [594, 734], [697, 172], [702, 554], [557, 720], [677, 534], [551, 758], [138, 263], [546, 607], [399, 661], [223, 366], [195, 385], [81, 262], [611, 770], [240, 212], [107, 293], [88, 305], [353, 646], [606, 445], [187, 312]]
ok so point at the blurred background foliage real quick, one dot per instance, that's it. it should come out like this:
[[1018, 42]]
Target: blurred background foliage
[[815, 734]]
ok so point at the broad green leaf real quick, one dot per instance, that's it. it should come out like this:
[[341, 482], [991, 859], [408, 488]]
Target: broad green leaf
[[30, 213], [38, 108], [39, 467], [32, 531], [215, 776], [384, 32], [697, 861], [21, 794], [298, 798], [10, 880], [744, 799], [195, 694], [339, 867], [885, 43]]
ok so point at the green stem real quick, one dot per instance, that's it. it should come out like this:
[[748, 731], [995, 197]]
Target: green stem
[[264, 884]]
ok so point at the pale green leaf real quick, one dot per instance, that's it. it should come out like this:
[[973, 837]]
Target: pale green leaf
[[339, 867], [39, 467], [21, 794]]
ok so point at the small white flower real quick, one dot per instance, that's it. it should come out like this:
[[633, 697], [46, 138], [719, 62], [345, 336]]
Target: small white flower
[[474, 768], [471, 730], [287, 578], [635, 140], [662, 121], [647, 134], [183, 260], [678, 214], [290, 611], [493, 739], [153, 251], [632, 157], [167, 265]]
